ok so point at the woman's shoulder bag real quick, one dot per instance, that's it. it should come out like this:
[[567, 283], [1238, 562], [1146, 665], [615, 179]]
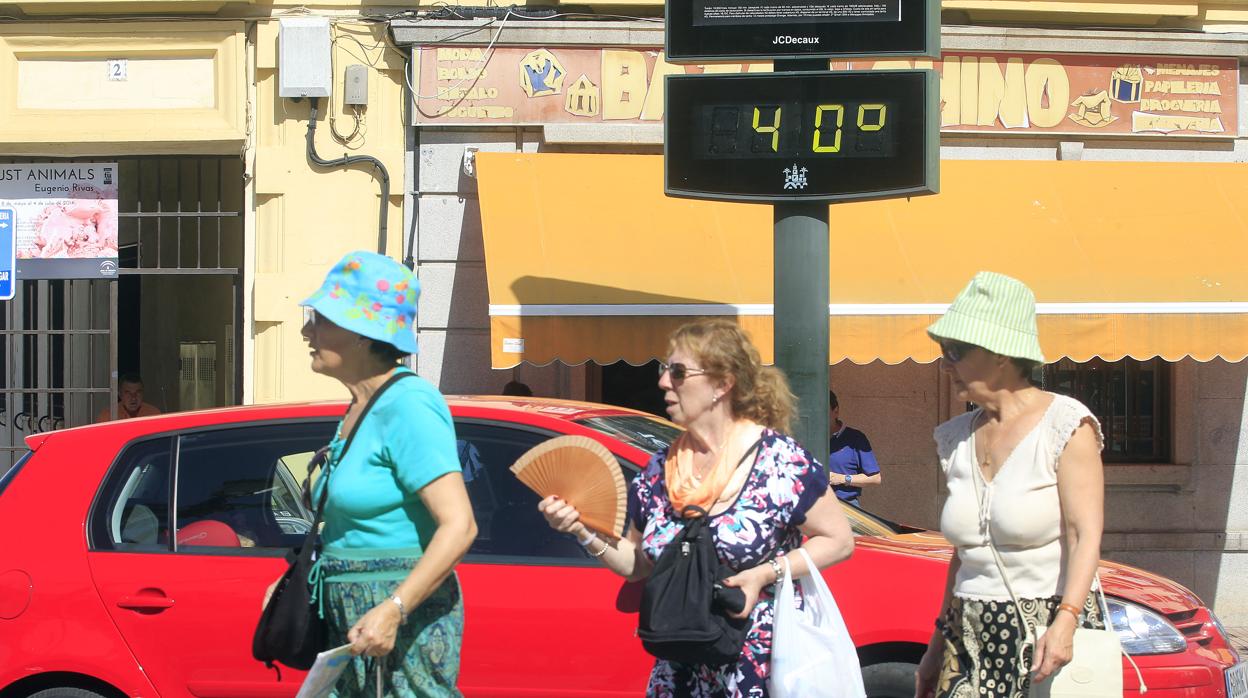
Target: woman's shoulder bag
[[291, 630]]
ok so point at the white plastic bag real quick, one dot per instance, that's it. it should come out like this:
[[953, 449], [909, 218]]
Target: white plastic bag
[[812, 655]]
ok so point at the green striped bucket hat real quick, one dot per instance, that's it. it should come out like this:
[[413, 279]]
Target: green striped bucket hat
[[995, 312]]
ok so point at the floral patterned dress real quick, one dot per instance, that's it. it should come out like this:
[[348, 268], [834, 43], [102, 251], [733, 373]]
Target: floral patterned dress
[[783, 485]]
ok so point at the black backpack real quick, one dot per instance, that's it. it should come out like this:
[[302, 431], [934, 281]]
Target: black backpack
[[681, 618], [684, 608]]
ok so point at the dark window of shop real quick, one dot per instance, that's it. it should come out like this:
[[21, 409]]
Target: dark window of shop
[[635, 387], [172, 315], [1130, 398]]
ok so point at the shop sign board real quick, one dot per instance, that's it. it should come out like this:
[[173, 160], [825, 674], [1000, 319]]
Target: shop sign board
[[8, 256], [64, 218], [699, 31], [1008, 94]]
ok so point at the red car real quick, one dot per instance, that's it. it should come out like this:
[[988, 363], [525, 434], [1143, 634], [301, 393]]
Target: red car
[[135, 554]]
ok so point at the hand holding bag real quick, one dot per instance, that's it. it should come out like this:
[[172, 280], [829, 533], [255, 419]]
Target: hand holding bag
[[1095, 668], [291, 630], [812, 655]]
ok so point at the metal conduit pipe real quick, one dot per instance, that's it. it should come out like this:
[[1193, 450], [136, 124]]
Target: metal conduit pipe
[[347, 161]]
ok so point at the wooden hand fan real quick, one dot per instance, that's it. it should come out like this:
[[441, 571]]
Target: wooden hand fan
[[582, 472]]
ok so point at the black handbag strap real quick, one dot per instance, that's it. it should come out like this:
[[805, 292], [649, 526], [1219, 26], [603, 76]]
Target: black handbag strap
[[703, 513], [321, 457]]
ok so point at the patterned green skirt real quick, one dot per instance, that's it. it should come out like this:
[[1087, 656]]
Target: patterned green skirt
[[425, 660]]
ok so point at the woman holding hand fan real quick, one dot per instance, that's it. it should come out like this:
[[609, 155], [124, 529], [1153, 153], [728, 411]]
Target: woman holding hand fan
[[762, 492]]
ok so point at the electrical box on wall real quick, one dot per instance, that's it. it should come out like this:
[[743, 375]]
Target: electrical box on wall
[[303, 66], [356, 83]]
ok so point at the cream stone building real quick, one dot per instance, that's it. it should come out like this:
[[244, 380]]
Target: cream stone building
[[1095, 149]]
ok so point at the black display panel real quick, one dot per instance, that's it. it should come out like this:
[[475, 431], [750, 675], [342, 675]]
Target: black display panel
[[804, 136], [702, 31]]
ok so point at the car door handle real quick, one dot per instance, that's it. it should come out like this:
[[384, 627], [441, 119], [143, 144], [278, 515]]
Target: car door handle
[[145, 603]]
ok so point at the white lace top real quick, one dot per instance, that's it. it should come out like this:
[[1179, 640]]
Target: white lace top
[[1021, 504]]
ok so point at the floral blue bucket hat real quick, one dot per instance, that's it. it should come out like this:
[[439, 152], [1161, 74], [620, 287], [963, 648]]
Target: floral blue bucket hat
[[371, 295]]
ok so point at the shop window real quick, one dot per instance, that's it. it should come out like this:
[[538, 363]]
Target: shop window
[[1129, 397], [635, 387]]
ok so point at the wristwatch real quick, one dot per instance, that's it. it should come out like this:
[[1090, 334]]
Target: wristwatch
[[398, 601], [849, 478]]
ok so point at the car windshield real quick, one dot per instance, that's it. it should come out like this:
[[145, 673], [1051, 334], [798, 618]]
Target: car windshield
[[866, 524], [650, 434]]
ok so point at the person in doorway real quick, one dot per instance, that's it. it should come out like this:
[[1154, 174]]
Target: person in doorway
[[129, 400], [763, 493], [851, 462], [1025, 507], [397, 514], [517, 389]]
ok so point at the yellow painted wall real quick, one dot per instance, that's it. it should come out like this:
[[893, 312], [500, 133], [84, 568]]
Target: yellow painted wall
[[56, 98], [303, 218], [307, 218], [192, 89]]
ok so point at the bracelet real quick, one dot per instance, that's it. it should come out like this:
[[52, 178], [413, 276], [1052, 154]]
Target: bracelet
[[586, 539], [776, 567], [605, 546], [402, 612], [1072, 610]]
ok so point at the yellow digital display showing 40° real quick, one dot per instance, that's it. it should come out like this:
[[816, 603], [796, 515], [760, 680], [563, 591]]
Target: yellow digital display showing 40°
[[871, 117], [795, 129]]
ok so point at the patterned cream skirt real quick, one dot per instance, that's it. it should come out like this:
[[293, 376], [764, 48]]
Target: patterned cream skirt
[[987, 654]]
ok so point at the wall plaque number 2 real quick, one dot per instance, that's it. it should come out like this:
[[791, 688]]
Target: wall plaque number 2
[[117, 69]]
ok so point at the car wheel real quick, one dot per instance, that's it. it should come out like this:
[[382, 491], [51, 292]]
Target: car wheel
[[68, 692], [889, 680]]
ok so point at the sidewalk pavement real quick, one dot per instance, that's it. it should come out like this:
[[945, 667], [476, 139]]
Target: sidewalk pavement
[[1239, 639]]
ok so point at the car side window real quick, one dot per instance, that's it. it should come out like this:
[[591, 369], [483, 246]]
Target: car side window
[[235, 488], [508, 522], [136, 516]]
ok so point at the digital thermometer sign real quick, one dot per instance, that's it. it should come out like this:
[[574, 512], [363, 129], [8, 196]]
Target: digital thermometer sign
[[802, 136]]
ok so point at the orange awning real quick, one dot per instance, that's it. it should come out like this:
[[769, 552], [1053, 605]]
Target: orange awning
[[587, 260]]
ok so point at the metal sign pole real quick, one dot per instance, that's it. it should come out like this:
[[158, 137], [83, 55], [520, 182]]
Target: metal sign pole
[[800, 280]]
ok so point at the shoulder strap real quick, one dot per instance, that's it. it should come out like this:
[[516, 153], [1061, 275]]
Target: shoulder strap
[[396, 377], [321, 456]]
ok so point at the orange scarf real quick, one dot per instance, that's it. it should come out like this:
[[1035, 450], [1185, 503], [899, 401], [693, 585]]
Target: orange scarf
[[684, 488]]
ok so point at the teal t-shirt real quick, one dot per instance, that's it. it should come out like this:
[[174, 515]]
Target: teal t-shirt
[[404, 441]]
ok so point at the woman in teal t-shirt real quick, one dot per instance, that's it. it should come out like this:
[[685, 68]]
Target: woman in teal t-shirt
[[397, 515]]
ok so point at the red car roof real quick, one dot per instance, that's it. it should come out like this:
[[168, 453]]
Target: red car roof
[[536, 408]]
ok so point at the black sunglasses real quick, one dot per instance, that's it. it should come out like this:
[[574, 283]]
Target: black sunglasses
[[954, 351], [679, 371]]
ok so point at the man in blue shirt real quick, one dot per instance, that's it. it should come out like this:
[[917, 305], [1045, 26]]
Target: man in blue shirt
[[851, 462]]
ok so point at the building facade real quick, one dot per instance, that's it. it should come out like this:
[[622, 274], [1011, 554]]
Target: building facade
[[224, 225], [546, 250]]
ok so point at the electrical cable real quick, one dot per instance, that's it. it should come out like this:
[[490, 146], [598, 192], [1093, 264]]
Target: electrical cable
[[346, 161]]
